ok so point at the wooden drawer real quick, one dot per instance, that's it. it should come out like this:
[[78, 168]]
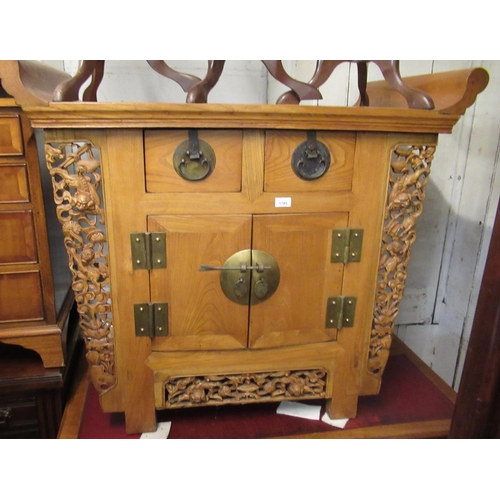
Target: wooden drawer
[[279, 175], [21, 297], [161, 176], [13, 184], [18, 237], [11, 139]]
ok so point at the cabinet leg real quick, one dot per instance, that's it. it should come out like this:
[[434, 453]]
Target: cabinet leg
[[139, 422], [346, 407], [139, 402]]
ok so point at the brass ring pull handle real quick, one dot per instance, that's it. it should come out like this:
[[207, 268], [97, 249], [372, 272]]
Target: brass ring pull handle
[[239, 284], [311, 159], [265, 282], [194, 159], [261, 288], [240, 289]]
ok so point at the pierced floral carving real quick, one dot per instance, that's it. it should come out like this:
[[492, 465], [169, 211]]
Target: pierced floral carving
[[241, 388], [410, 168], [75, 170]]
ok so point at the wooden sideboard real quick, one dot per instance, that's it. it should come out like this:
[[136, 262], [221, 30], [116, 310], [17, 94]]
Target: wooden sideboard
[[32, 397], [235, 254], [35, 291]]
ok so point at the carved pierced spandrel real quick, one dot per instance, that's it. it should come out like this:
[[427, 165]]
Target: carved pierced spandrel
[[181, 392], [76, 181], [410, 168]]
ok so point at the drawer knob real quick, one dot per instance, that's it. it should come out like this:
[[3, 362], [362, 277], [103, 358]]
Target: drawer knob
[[311, 159], [194, 159]]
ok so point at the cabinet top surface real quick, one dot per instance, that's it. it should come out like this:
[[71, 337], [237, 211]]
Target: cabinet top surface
[[7, 102], [154, 115]]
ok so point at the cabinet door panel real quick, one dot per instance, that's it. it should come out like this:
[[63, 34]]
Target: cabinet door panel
[[296, 313], [200, 315]]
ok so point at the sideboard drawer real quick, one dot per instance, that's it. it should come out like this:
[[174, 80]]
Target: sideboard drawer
[[11, 139], [162, 177], [14, 290], [14, 184], [19, 245], [280, 147]]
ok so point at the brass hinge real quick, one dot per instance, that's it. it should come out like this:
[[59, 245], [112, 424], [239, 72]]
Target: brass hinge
[[340, 312], [346, 245], [148, 250], [151, 320]]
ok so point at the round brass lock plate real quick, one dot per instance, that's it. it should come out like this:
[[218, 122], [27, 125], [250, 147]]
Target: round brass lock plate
[[248, 276], [194, 167]]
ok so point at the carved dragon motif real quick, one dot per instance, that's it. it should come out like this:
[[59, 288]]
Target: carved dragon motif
[[75, 168], [240, 388], [410, 168]]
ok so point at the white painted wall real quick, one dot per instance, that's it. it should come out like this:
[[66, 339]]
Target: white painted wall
[[455, 229]]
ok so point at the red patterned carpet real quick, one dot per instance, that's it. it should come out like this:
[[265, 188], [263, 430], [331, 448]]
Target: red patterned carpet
[[407, 396]]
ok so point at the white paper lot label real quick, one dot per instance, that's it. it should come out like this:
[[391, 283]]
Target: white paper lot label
[[282, 202]]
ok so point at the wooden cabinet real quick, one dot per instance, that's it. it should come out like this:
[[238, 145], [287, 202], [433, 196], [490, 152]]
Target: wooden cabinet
[[251, 270], [32, 397], [35, 296]]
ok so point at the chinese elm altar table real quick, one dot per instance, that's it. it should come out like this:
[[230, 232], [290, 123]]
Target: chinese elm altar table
[[228, 254]]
